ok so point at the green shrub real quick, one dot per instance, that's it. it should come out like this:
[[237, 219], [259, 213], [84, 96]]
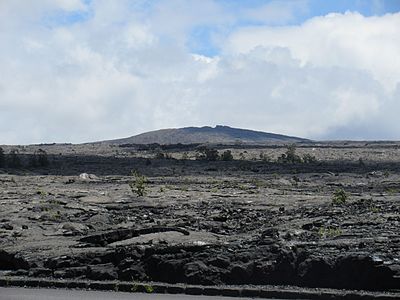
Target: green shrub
[[329, 232], [138, 185], [339, 197], [149, 289], [227, 155]]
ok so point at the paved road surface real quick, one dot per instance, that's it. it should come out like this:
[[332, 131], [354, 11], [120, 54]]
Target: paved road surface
[[59, 294]]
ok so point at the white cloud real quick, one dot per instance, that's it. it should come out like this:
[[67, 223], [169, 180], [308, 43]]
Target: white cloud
[[126, 70], [277, 11], [345, 40], [67, 5]]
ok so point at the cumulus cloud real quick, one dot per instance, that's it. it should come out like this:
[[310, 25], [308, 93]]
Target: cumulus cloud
[[344, 40], [123, 69]]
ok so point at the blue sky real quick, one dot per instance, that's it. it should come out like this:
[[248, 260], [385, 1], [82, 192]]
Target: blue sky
[[84, 70], [200, 37], [201, 42]]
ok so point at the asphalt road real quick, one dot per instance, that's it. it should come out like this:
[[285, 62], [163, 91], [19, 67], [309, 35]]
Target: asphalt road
[[59, 294]]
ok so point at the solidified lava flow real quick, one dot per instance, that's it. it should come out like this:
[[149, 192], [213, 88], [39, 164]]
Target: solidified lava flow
[[247, 220]]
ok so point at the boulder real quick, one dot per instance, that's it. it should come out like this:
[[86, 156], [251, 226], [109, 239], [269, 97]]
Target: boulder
[[12, 261]]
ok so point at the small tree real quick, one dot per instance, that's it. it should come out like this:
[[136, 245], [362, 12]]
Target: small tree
[[290, 156], [2, 158], [339, 197], [138, 185], [227, 155]]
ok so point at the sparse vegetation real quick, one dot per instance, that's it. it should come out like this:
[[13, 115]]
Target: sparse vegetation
[[391, 191], [149, 289], [309, 159], [205, 153], [41, 193], [227, 155], [329, 232], [134, 287], [290, 156], [339, 197], [253, 209], [138, 185]]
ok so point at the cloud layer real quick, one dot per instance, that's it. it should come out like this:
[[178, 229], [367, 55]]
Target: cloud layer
[[74, 71]]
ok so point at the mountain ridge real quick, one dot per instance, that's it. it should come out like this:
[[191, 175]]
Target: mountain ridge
[[219, 134]]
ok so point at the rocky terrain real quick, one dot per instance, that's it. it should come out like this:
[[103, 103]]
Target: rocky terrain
[[331, 220]]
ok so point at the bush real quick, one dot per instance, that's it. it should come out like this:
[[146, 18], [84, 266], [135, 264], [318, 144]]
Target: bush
[[290, 156], [339, 197], [227, 155], [309, 159], [207, 154], [2, 158], [138, 185]]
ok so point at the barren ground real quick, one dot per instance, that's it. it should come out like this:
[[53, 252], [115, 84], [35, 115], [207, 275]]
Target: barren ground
[[245, 221]]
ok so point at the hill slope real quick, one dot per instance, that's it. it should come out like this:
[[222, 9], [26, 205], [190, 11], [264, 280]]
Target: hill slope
[[216, 135]]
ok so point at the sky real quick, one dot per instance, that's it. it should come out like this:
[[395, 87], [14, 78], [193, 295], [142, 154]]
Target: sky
[[87, 70]]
